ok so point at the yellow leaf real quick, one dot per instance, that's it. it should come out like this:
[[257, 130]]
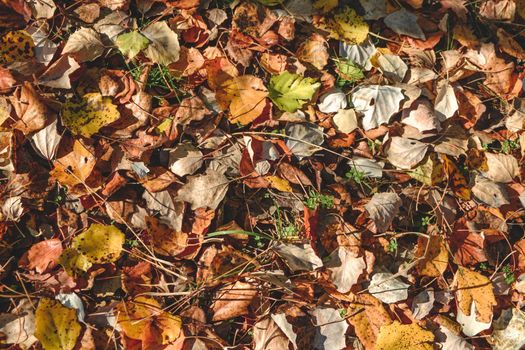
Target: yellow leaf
[[245, 96], [74, 262], [87, 116], [57, 327], [434, 254], [430, 172], [325, 5], [279, 184], [457, 181], [397, 336], [100, 243], [16, 46], [346, 25], [74, 168], [473, 287], [133, 318], [368, 315]]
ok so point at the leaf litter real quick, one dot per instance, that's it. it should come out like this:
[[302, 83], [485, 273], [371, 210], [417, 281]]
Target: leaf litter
[[263, 174]]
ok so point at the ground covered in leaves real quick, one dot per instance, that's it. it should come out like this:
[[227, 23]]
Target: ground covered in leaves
[[266, 174]]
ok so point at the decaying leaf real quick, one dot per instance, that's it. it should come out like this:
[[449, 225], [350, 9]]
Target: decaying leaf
[[475, 298], [330, 329], [388, 288], [84, 45], [144, 320], [164, 43], [204, 191], [232, 301], [383, 208], [397, 336], [508, 330], [100, 243], [57, 327], [244, 96], [377, 103], [88, 115], [434, 254]]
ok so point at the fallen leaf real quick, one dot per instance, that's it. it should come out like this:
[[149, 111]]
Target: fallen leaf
[[43, 256], [489, 192], [84, 45], [100, 243], [56, 326], [58, 75], [143, 319], [345, 268], [433, 253], [299, 257], [345, 120], [446, 103], [303, 139], [164, 43], [405, 153], [475, 297], [185, 159], [314, 51], [367, 315], [377, 103], [330, 329], [423, 304], [404, 22], [388, 288], [267, 335], [346, 25], [31, 111], [204, 191], [508, 330], [87, 116], [291, 91], [393, 67], [232, 301], [502, 168], [46, 141], [244, 96], [332, 101], [16, 46], [383, 208], [397, 336], [131, 43], [74, 168]]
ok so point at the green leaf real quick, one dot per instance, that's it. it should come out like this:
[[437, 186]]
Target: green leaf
[[131, 44], [100, 243], [57, 327], [291, 91], [349, 71]]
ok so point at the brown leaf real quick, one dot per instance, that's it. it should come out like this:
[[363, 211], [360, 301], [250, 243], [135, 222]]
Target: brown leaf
[[29, 108], [6, 79], [244, 96], [314, 51], [232, 301], [43, 256]]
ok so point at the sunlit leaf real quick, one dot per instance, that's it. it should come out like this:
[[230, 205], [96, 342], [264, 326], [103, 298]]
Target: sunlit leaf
[[88, 115], [57, 327], [291, 91], [131, 44], [100, 243]]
